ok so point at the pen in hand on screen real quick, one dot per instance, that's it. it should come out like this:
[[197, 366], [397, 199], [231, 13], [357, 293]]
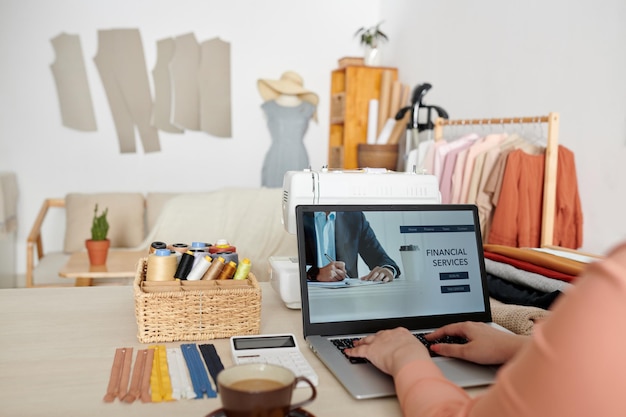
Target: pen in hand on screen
[[332, 260]]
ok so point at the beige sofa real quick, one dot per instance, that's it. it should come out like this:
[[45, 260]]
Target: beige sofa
[[249, 218]]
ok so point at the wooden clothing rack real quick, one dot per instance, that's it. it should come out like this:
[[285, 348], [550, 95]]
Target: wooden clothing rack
[[551, 161]]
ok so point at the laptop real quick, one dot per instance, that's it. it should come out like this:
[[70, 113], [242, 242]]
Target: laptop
[[435, 251]]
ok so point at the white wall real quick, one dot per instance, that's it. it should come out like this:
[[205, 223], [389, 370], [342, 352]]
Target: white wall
[[267, 38], [485, 58], [491, 58]]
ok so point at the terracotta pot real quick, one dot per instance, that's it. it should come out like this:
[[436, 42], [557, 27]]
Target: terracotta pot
[[97, 251]]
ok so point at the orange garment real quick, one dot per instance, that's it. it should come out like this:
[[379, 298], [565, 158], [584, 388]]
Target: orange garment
[[547, 260], [517, 216], [568, 222], [558, 373]]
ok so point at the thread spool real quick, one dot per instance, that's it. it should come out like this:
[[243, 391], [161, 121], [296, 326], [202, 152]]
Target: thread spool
[[179, 247], [157, 245], [228, 271], [161, 266], [199, 249], [243, 269], [185, 264], [221, 246], [214, 269], [199, 269], [228, 256]]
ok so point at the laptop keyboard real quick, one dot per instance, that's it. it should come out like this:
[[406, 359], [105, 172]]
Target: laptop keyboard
[[346, 343]]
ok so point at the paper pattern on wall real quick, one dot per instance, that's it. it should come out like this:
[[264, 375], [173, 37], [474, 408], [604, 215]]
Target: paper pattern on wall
[[71, 82], [184, 72], [161, 77], [122, 66], [214, 86]]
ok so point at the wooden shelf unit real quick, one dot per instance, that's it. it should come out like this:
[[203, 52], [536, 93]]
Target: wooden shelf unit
[[351, 90]]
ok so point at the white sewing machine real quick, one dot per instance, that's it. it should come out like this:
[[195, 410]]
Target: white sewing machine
[[362, 186]]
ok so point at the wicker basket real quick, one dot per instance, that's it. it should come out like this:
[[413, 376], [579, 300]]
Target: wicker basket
[[196, 310]]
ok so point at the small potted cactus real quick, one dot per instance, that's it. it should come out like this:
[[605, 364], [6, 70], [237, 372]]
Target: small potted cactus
[[98, 245]]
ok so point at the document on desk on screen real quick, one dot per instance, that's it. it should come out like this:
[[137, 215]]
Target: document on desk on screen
[[346, 283]]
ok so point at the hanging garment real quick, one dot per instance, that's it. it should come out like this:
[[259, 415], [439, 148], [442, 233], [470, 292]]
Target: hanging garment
[[493, 183], [517, 216], [450, 163], [447, 146], [287, 126], [488, 142], [122, 67]]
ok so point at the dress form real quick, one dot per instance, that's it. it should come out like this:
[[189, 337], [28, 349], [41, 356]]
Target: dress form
[[288, 119]]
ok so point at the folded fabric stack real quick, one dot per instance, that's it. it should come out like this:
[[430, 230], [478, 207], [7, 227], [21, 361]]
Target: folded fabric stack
[[523, 283]]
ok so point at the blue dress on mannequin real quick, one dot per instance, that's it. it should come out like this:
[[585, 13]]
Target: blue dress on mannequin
[[287, 126]]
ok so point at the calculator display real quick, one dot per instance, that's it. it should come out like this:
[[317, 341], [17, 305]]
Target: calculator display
[[264, 342]]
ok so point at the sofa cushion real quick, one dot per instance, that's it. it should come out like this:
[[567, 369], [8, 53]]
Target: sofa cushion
[[125, 216], [154, 204]]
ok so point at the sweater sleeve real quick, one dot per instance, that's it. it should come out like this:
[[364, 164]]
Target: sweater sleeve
[[574, 364], [423, 391]]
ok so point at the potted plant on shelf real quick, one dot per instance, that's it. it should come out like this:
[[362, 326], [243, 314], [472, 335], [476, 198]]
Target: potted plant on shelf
[[371, 38], [98, 245]]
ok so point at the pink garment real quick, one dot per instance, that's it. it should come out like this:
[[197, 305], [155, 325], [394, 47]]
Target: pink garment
[[429, 158], [560, 372], [450, 166], [442, 150], [457, 176], [483, 145]]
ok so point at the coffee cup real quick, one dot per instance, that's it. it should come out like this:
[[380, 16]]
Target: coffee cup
[[258, 390]]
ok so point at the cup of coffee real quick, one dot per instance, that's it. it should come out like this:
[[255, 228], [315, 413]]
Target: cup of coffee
[[258, 390]]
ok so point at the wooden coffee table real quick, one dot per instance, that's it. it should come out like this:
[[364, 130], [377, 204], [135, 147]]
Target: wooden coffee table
[[120, 264]]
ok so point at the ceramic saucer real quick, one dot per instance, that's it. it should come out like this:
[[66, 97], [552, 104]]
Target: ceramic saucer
[[298, 412]]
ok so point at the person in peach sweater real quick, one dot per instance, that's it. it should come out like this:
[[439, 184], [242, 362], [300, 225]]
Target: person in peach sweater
[[573, 365]]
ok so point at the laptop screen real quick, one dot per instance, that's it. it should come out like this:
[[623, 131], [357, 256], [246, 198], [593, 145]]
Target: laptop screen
[[433, 251]]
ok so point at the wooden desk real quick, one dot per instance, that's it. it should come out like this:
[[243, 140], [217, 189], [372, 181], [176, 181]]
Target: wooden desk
[[57, 347], [120, 264]]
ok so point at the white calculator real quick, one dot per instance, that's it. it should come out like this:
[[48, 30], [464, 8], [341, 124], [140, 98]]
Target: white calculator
[[278, 349]]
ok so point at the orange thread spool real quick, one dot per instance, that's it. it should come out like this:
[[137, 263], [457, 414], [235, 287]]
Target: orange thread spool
[[228, 271]]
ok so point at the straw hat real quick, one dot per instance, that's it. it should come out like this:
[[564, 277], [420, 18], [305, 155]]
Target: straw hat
[[290, 83]]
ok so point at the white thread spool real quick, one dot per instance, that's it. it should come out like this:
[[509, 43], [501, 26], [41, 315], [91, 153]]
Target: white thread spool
[[199, 268]]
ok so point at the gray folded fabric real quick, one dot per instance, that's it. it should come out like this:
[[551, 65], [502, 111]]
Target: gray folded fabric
[[519, 276]]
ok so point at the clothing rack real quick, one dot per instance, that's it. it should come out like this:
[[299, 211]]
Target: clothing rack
[[551, 161]]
